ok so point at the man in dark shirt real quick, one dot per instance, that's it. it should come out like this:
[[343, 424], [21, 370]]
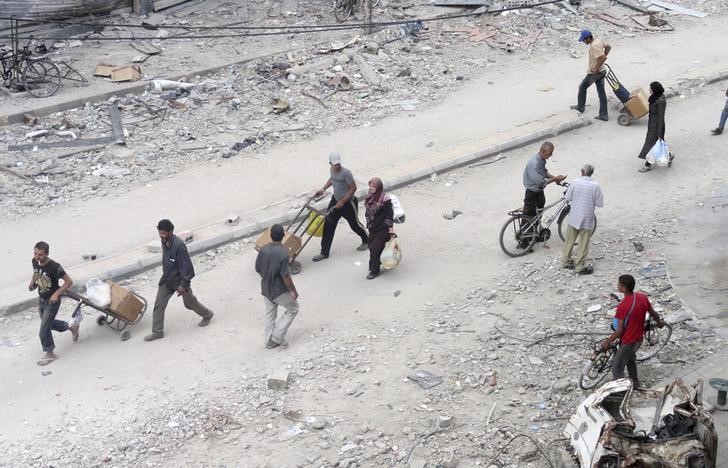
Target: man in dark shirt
[[277, 288], [343, 204], [46, 274], [177, 274]]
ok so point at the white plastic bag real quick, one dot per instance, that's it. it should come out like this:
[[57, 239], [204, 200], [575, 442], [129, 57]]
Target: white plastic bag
[[397, 208], [76, 317], [659, 154], [392, 254], [98, 292]]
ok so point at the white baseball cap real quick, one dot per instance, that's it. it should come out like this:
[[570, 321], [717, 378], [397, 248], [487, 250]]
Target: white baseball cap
[[335, 158]]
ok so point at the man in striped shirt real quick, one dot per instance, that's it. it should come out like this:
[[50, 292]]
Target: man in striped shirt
[[584, 195]]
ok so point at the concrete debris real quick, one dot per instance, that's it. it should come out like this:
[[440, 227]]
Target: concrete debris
[[451, 214], [278, 380]]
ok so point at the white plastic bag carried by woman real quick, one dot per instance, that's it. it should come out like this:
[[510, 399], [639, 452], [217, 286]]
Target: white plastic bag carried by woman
[[392, 253], [399, 216], [659, 154]]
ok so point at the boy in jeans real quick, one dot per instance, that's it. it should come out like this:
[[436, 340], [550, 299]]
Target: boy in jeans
[[630, 329]]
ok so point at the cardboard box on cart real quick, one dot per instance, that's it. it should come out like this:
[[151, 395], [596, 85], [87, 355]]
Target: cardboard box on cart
[[290, 241], [637, 103], [124, 303]]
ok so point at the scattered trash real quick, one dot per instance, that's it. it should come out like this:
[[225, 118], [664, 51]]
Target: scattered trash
[[594, 308], [451, 214], [653, 270], [279, 105], [425, 379]]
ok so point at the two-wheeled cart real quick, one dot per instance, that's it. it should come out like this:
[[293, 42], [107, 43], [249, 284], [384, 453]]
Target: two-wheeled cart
[[307, 223], [634, 104], [118, 319]]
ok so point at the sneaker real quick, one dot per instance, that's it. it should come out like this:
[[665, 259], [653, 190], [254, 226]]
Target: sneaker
[[569, 265], [603, 119], [74, 331], [362, 247], [645, 169], [205, 321], [717, 131], [154, 336], [372, 275], [576, 108], [588, 270], [320, 257], [669, 162], [271, 344]]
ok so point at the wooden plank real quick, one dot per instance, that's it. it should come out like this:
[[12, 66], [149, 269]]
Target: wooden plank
[[678, 8]]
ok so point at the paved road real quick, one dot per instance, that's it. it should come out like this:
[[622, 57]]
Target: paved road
[[116, 225]]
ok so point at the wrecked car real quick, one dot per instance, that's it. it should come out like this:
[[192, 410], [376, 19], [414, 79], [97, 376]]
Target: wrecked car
[[619, 426]]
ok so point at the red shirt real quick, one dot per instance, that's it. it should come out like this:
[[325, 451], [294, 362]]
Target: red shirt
[[635, 327]]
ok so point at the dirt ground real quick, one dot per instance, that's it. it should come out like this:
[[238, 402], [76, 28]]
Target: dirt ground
[[504, 334]]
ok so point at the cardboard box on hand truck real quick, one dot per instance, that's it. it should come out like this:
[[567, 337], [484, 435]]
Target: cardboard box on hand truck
[[637, 104], [291, 241], [124, 303]]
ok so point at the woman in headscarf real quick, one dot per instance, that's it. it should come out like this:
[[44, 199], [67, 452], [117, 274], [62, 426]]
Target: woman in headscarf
[[656, 122], [379, 216]]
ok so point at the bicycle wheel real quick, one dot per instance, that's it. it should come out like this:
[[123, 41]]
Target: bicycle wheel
[[596, 370], [343, 9], [563, 224], [516, 238], [655, 339], [41, 78]]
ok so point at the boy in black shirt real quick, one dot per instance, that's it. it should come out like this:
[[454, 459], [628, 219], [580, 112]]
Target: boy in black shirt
[[46, 274]]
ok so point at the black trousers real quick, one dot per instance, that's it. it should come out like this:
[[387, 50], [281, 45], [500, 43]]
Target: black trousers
[[377, 241], [533, 200], [350, 212]]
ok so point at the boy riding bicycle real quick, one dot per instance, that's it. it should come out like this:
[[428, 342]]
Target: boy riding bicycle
[[629, 328]]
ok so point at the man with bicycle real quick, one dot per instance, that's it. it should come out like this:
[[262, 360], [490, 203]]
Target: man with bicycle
[[630, 328], [535, 179]]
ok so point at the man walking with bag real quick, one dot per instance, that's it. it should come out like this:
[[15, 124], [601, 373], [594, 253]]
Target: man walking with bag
[[596, 71], [343, 204], [583, 195], [277, 288], [177, 274]]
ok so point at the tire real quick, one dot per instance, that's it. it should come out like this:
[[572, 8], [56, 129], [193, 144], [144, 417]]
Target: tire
[[624, 120], [295, 267], [125, 335], [343, 9], [655, 339], [596, 370], [41, 78], [510, 237], [562, 224], [100, 320]]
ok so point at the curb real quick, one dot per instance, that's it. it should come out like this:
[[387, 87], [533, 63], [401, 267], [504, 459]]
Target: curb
[[198, 247]]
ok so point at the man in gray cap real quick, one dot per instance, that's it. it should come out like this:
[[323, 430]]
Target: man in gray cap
[[343, 204], [595, 73], [277, 288]]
